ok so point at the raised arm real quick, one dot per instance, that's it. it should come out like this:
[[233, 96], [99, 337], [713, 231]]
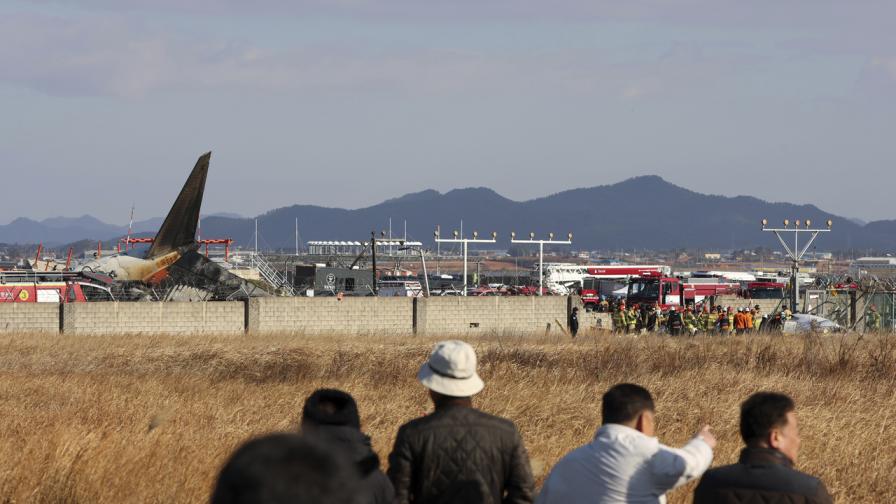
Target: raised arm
[[673, 467]]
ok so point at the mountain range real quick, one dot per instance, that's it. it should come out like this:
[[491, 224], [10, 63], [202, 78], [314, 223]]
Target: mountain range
[[642, 212]]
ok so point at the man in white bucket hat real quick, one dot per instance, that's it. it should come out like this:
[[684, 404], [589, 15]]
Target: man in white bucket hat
[[458, 454]]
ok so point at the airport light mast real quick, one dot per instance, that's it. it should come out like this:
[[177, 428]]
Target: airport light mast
[[541, 244], [796, 253], [459, 239]]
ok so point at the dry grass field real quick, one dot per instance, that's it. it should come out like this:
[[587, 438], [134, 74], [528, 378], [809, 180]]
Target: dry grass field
[[105, 419]]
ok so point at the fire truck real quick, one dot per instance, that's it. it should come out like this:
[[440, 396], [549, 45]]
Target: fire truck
[[654, 288], [606, 280], [764, 290], [28, 286]]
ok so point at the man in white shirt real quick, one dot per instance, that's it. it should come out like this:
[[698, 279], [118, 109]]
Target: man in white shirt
[[625, 463]]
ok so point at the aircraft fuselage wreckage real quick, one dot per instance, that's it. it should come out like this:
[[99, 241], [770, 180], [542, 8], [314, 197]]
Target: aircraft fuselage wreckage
[[172, 261]]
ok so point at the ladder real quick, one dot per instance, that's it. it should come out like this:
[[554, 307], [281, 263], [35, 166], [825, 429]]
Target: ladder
[[271, 275]]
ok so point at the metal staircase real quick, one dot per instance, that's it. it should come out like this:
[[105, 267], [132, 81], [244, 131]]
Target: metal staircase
[[277, 280]]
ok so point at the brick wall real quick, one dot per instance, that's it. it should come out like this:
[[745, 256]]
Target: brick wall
[[147, 317], [456, 315], [327, 315], [29, 317]]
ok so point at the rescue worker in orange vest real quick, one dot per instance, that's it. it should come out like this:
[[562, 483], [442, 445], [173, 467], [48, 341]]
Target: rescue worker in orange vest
[[739, 322]]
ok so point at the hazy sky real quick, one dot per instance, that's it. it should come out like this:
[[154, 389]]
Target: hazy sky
[[104, 103]]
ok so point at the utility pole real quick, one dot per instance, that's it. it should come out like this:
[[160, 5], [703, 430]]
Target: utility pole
[[796, 253], [373, 261], [458, 238], [541, 244], [438, 253]]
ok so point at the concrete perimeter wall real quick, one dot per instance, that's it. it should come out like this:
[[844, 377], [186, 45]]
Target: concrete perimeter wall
[[452, 316], [152, 317], [456, 315], [327, 315], [29, 317], [766, 305]]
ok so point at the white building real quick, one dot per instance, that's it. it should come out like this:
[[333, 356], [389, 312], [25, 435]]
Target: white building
[[876, 266]]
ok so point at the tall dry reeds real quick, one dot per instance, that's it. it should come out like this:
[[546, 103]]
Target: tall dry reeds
[[151, 419]]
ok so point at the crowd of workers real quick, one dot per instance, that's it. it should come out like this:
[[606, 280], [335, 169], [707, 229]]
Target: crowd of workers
[[459, 454], [702, 319], [691, 320]]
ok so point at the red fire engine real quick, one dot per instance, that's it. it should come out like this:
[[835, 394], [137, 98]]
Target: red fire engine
[[26, 286], [764, 290], [652, 288], [604, 280]]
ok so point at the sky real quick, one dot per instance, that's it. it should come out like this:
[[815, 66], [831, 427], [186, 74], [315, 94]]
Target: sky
[[346, 103]]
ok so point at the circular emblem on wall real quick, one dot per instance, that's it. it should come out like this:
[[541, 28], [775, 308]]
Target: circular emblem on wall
[[23, 295], [331, 279]]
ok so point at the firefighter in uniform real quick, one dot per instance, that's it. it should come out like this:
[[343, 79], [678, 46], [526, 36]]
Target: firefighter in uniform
[[724, 323], [631, 318], [872, 320], [690, 321], [707, 323], [661, 318], [674, 322], [620, 321], [757, 318]]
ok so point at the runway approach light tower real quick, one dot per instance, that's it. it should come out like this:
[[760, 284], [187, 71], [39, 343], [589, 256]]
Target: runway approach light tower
[[541, 244], [465, 241], [796, 253]]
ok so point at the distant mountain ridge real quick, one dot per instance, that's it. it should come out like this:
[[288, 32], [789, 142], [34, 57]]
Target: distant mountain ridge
[[641, 212]]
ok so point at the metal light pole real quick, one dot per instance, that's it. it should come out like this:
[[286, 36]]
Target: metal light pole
[[541, 244], [796, 253], [459, 239], [422, 260]]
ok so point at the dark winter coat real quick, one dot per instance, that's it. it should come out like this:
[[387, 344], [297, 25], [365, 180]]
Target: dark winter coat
[[460, 455], [574, 322], [761, 476], [375, 487]]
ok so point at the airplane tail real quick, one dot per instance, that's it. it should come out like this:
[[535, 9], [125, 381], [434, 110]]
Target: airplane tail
[[179, 228]]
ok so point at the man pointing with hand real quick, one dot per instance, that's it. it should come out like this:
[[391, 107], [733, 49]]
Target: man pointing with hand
[[625, 463]]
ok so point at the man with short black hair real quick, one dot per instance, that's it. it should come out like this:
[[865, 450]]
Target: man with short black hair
[[332, 416], [458, 454], [765, 470], [286, 469], [625, 463]]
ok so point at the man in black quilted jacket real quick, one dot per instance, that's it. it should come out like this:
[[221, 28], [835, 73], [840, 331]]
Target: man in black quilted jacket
[[764, 474], [458, 454]]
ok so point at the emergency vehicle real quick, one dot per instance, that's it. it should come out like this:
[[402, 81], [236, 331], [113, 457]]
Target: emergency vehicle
[[764, 290], [654, 288], [605, 280], [26, 286]]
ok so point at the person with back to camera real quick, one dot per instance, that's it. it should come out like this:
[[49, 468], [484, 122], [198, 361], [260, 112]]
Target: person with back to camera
[[625, 463], [458, 454]]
